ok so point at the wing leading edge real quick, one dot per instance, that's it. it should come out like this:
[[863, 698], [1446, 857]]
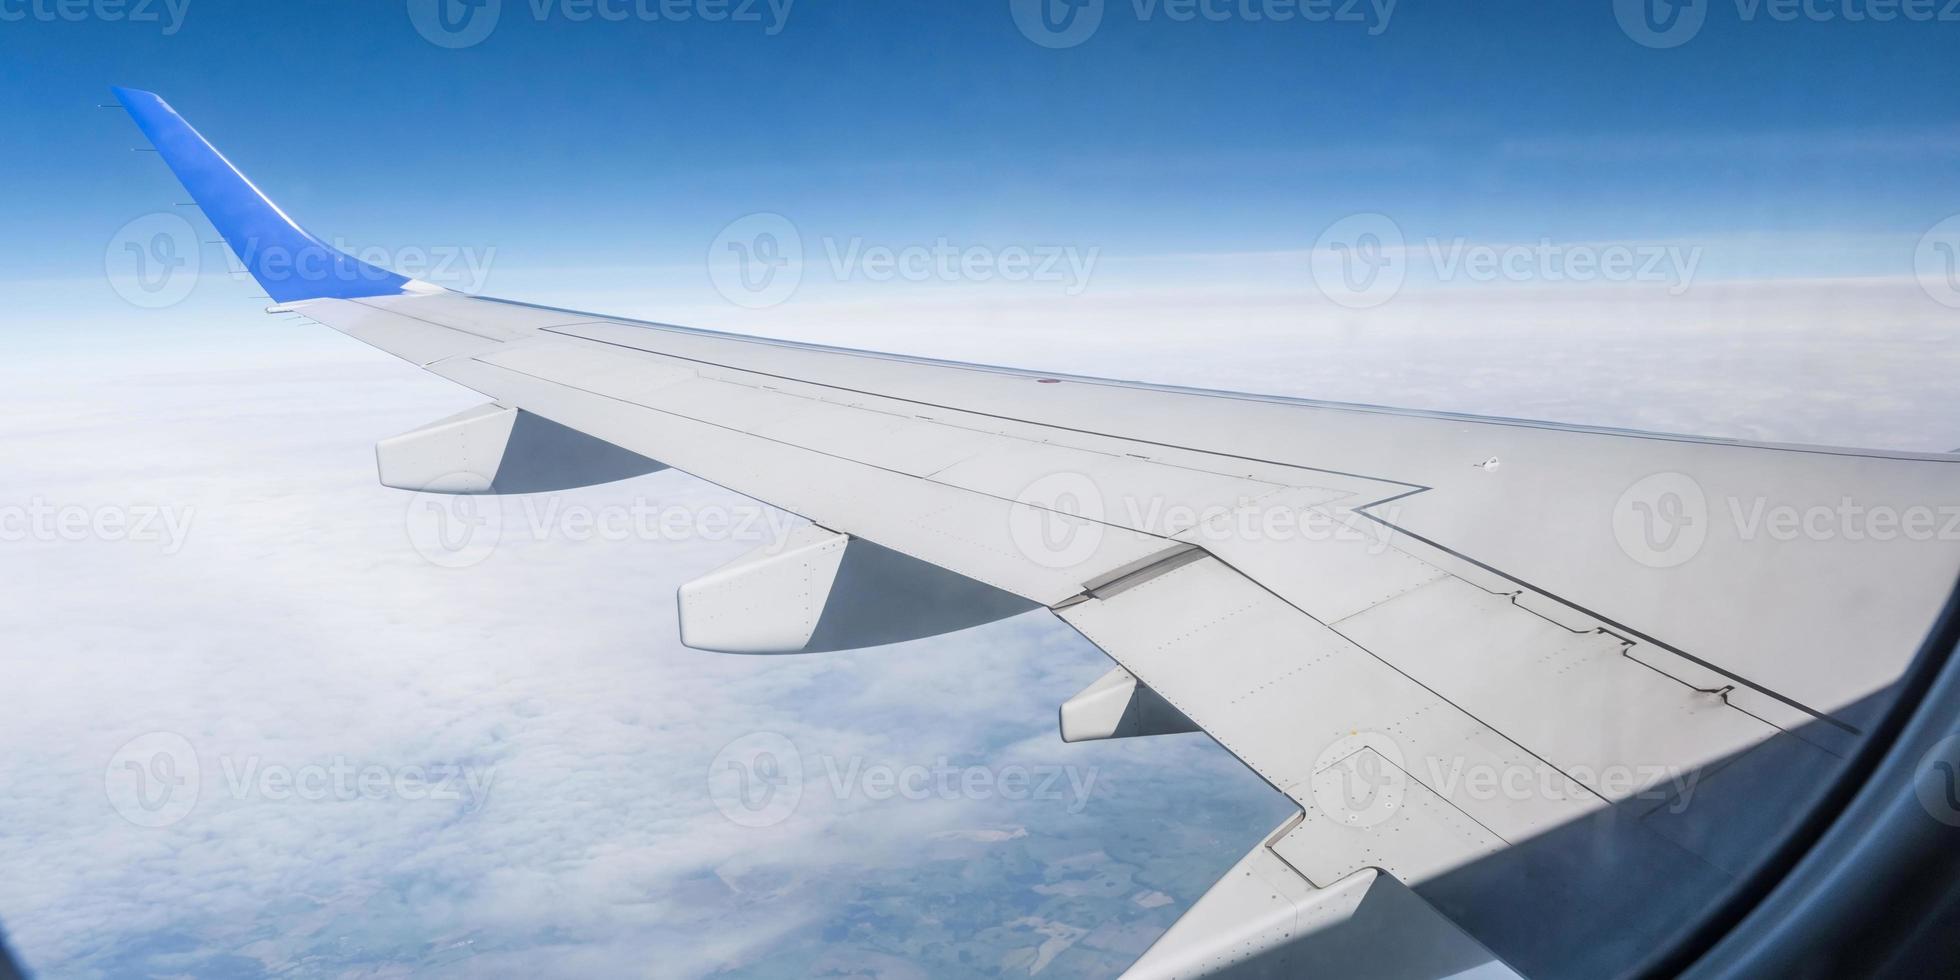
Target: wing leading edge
[[1511, 717]]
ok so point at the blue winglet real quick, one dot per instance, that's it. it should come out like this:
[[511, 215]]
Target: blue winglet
[[291, 264]]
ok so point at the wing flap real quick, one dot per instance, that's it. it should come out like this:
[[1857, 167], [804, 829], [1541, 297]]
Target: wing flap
[[1291, 697], [1571, 697]]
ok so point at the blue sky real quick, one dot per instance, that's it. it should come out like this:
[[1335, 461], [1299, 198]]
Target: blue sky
[[566, 142]]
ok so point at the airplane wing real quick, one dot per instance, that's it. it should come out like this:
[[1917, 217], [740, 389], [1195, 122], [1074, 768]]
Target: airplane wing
[[1539, 691]]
